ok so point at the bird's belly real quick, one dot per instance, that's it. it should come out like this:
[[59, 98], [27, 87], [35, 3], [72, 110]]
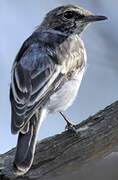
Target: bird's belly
[[64, 97]]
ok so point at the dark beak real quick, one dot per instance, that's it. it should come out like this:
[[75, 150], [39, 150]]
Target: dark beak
[[94, 18]]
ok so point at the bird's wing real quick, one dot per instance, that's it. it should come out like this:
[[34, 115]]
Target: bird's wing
[[33, 74]]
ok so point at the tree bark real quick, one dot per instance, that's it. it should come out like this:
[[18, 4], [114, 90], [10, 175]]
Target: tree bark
[[63, 155]]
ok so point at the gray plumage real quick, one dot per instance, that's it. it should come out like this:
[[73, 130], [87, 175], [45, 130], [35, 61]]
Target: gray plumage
[[46, 75]]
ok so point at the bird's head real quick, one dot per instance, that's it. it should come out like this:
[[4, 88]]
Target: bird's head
[[69, 19]]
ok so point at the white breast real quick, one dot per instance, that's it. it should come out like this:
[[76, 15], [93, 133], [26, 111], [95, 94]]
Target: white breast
[[65, 96], [71, 52]]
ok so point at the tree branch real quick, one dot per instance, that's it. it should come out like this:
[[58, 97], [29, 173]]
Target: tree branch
[[64, 154]]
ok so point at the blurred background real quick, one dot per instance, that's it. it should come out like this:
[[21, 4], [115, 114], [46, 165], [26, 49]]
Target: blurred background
[[99, 87]]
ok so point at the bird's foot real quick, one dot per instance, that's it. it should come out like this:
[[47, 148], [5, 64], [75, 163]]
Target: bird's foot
[[71, 127]]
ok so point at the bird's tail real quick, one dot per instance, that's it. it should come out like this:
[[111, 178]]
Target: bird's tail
[[26, 145]]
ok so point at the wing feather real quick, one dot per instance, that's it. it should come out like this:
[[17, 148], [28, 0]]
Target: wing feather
[[32, 75]]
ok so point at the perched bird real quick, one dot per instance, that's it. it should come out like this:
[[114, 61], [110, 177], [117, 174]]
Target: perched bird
[[46, 76]]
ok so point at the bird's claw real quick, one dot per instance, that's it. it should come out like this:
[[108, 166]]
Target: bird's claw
[[71, 127]]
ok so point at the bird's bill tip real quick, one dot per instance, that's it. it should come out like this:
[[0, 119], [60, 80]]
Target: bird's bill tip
[[94, 18]]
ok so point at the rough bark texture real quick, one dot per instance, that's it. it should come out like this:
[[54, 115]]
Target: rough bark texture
[[63, 155]]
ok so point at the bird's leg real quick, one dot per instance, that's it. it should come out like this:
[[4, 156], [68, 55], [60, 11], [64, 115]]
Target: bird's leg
[[70, 125]]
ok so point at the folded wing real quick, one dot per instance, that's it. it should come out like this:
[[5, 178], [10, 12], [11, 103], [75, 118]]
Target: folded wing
[[33, 73]]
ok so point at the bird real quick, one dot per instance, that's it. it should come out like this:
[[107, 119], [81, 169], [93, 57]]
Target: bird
[[46, 75]]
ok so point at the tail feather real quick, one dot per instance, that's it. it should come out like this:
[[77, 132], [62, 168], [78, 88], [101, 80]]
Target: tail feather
[[26, 146]]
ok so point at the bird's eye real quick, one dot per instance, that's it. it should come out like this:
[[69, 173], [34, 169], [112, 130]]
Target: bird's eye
[[68, 15]]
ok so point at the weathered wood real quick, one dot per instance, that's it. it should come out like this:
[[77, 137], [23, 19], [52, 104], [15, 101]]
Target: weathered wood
[[63, 155]]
